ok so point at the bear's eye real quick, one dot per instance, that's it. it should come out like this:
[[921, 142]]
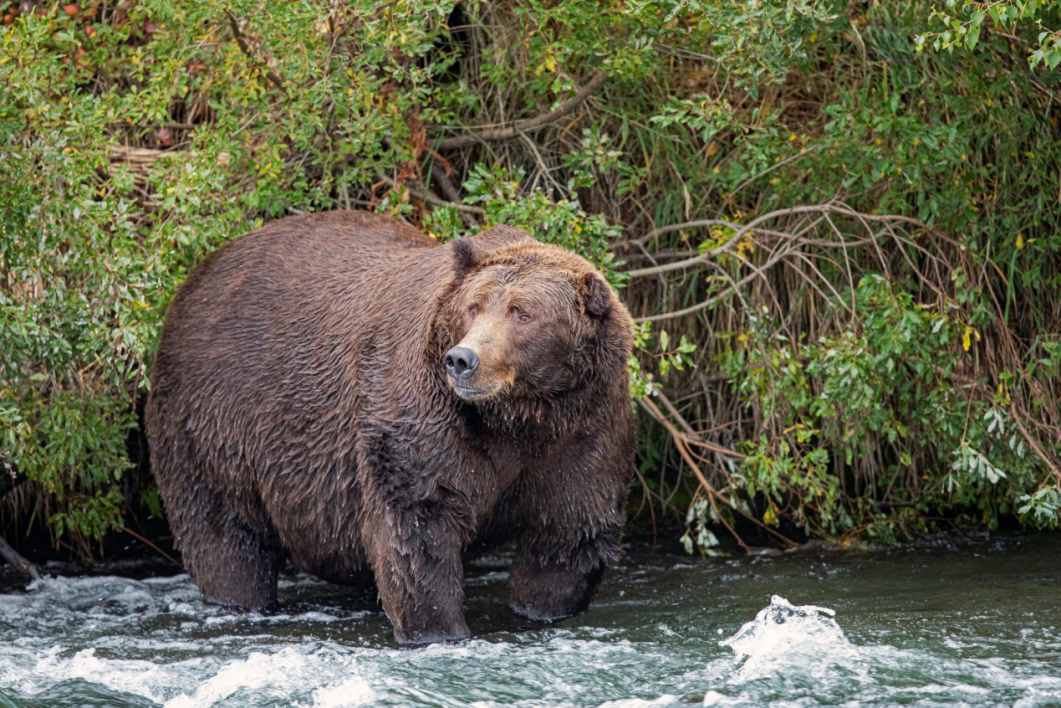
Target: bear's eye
[[473, 310], [519, 313]]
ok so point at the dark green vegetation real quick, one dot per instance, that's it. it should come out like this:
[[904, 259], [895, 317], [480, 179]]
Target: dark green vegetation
[[843, 220]]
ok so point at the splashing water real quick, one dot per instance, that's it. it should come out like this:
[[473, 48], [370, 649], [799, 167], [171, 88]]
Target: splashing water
[[783, 637], [919, 628], [800, 655]]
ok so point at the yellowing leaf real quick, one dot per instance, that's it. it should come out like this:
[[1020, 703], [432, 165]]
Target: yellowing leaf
[[745, 247], [548, 64], [769, 517], [1020, 241]]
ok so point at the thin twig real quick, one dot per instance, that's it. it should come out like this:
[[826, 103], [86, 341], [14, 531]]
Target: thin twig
[[521, 126], [712, 494], [735, 288], [150, 545], [541, 163], [684, 452], [690, 435], [1033, 443], [245, 48], [430, 198]]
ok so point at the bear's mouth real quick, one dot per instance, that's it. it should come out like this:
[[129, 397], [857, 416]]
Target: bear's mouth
[[470, 393]]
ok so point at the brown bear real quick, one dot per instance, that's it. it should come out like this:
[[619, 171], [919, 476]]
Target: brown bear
[[345, 392]]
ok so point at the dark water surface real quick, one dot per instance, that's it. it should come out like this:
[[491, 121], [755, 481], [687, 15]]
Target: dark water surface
[[980, 624]]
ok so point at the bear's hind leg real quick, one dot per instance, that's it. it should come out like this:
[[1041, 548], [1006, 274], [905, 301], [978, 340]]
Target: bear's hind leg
[[232, 563]]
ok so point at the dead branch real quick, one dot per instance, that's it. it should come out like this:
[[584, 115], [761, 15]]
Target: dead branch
[[136, 157], [245, 48], [1033, 443], [521, 126], [16, 560], [690, 436], [451, 193], [713, 495], [734, 288], [753, 226], [430, 198], [684, 452], [449, 190]]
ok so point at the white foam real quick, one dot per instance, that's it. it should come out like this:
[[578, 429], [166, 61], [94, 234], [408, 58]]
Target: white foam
[[351, 692], [142, 678], [665, 700], [255, 672], [784, 635]]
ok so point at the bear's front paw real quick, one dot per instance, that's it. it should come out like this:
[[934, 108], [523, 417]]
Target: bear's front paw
[[543, 612], [431, 635]]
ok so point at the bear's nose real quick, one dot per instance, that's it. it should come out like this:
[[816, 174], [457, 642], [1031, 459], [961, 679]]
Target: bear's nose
[[461, 362]]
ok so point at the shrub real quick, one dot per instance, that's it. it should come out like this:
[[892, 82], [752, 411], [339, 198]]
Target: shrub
[[849, 368]]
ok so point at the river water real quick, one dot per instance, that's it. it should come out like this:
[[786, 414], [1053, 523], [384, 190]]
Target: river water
[[979, 624]]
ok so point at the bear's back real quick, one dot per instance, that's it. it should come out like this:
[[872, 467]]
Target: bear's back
[[274, 324], [295, 267]]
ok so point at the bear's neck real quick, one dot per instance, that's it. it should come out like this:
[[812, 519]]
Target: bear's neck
[[532, 422]]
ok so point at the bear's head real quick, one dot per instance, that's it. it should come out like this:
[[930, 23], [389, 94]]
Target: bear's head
[[528, 324]]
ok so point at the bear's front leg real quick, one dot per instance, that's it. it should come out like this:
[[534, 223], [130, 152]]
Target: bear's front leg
[[416, 561], [568, 514]]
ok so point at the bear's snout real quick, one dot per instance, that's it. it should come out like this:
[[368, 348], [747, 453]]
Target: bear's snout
[[461, 364]]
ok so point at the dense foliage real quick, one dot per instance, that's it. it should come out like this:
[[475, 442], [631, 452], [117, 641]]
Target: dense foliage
[[840, 222]]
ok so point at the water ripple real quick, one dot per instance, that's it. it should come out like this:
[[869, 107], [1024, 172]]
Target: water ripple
[[662, 634]]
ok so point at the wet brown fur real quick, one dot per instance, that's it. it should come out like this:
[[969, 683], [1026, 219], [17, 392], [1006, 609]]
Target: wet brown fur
[[300, 408]]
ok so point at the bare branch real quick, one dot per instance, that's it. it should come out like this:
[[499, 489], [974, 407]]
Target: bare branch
[[430, 198], [450, 191], [757, 271], [835, 208], [147, 542], [17, 561], [245, 48], [1033, 443], [681, 441], [521, 126]]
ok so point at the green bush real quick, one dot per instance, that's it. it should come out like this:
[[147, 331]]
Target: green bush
[[858, 377]]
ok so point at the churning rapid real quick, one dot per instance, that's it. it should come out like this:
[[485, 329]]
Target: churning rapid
[[978, 625]]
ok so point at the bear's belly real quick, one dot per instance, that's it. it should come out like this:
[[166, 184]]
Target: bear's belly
[[333, 567]]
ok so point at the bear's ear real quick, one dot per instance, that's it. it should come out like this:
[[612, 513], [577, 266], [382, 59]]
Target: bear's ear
[[595, 296], [464, 256]]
